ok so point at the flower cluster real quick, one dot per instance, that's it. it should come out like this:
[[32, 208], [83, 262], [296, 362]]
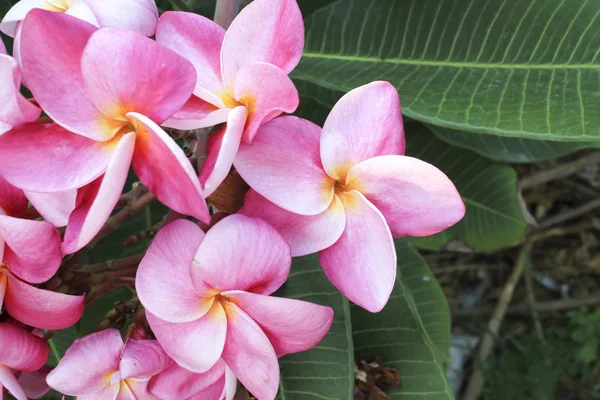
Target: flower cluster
[[110, 93]]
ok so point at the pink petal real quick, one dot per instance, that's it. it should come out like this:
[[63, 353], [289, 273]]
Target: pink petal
[[54, 207], [365, 123], [199, 40], [109, 392], [96, 201], [250, 355], [2, 47], [32, 249], [267, 92], [20, 350], [163, 167], [176, 383], [135, 15], [195, 345], [241, 253], [291, 325], [214, 391], [51, 47], [306, 234], [17, 13], [163, 280], [80, 9], [15, 109], [196, 114], [88, 363], [415, 197], [126, 72], [223, 146], [12, 200], [134, 389], [230, 385], [143, 359], [41, 308], [48, 158], [362, 263], [283, 165], [9, 381], [277, 33], [34, 383]]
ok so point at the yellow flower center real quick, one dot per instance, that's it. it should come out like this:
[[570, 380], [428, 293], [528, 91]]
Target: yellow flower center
[[57, 5]]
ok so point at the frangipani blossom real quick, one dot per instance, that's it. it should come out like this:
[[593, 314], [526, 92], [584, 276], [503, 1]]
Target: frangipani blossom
[[101, 367], [207, 297], [347, 190], [136, 15], [30, 254], [15, 108], [178, 383], [19, 351], [107, 90], [242, 75]]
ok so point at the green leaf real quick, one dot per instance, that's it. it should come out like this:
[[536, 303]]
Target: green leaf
[[202, 7], [95, 312], [59, 343], [6, 5], [412, 332], [507, 149], [327, 370], [506, 67], [493, 219]]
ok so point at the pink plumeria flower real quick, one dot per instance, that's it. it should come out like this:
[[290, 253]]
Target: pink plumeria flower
[[15, 109], [178, 383], [242, 75], [107, 90], [137, 15], [101, 366], [347, 190], [30, 254], [19, 351], [207, 297]]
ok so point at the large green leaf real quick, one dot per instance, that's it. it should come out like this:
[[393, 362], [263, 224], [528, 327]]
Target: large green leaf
[[327, 370], [412, 333], [507, 67], [202, 7], [507, 149], [493, 219]]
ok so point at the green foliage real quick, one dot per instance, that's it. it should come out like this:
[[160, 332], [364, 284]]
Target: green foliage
[[412, 333], [327, 370], [506, 67]]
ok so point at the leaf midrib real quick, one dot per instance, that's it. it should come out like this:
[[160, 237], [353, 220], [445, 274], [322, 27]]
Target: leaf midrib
[[451, 64]]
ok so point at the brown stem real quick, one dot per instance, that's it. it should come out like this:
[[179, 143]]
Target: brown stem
[[226, 11], [561, 171]]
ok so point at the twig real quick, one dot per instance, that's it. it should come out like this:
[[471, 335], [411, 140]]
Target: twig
[[476, 380], [570, 214], [226, 11], [561, 171], [531, 300], [112, 265]]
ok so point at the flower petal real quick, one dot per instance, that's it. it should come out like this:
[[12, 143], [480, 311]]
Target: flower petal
[[195, 345], [15, 109], [96, 201], [199, 40], [362, 263], [142, 359], [124, 71], [241, 253], [2, 46], [41, 308], [54, 207], [20, 350], [34, 383], [80, 9], [306, 234], [196, 114], [283, 165], [134, 15], [291, 325], [9, 381], [32, 249], [176, 382], [415, 197], [163, 280], [17, 13], [87, 362], [277, 33], [250, 355], [12, 200], [109, 392], [268, 92], [365, 123], [222, 146], [51, 47], [165, 170], [48, 158]]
